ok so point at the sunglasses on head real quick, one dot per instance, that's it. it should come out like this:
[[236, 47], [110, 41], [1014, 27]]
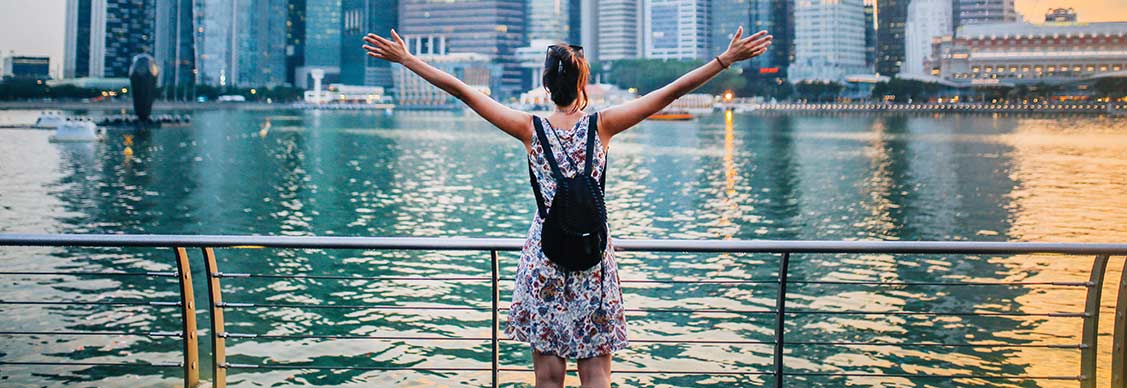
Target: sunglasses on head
[[574, 47]]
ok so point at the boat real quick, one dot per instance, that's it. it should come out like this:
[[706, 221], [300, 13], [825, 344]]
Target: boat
[[76, 131], [49, 120], [672, 116]]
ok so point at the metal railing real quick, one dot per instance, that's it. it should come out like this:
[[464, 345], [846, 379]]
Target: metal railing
[[786, 251]]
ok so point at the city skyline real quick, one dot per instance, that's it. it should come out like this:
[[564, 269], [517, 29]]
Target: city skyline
[[38, 28]]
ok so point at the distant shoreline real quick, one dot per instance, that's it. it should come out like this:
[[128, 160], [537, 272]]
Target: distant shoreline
[[1111, 108]]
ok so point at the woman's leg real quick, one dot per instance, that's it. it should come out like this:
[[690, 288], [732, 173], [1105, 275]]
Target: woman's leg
[[595, 372], [549, 369]]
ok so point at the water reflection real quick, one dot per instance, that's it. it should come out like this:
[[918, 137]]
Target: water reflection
[[833, 177]]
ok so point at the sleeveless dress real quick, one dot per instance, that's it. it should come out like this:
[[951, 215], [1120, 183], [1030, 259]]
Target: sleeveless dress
[[578, 314]]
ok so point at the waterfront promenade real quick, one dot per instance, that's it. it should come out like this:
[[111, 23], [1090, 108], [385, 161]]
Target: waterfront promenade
[[354, 313]]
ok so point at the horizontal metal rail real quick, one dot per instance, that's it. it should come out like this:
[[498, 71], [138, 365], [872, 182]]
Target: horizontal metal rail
[[79, 363], [511, 244], [90, 273], [789, 253], [97, 333]]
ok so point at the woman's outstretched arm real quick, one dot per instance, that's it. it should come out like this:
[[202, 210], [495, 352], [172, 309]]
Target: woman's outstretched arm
[[621, 117], [513, 122]]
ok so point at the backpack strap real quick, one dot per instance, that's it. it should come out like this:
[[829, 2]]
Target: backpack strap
[[540, 206], [592, 131], [544, 145]]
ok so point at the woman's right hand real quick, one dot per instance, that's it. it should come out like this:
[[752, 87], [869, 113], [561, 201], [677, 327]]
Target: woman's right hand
[[746, 48], [382, 48]]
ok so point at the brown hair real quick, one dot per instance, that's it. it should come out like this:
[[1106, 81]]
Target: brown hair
[[565, 75]]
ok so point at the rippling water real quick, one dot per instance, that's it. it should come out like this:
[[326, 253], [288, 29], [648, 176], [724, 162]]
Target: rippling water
[[826, 177]]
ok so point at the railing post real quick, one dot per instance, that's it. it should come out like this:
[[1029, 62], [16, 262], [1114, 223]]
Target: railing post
[[496, 296], [780, 318], [1119, 342], [188, 320], [1091, 331], [218, 332]]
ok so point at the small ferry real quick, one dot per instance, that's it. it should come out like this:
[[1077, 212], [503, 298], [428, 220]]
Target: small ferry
[[672, 116]]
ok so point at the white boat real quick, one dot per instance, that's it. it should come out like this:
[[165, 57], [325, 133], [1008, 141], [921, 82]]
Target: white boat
[[76, 131], [50, 120]]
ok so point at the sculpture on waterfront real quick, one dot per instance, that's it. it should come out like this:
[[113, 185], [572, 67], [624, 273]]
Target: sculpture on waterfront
[[143, 82]]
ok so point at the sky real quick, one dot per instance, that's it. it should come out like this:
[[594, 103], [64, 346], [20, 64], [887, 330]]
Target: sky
[[36, 27]]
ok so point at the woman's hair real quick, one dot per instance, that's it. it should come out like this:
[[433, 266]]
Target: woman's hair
[[565, 75]]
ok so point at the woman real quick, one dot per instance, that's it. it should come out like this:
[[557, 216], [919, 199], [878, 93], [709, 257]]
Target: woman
[[576, 315]]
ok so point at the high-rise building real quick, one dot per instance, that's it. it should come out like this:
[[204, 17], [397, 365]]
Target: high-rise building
[[260, 43], [620, 33], [103, 36], [589, 28], [215, 43], [927, 20], [323, 42], [76, 50], [677, 29], [106, 34], [175, 46], [777, 18], [358, 18], [870, 34], [829, 39], [555, 20], [726, 16], [495, 28], [295, 38], [891, 16], [968, 12]]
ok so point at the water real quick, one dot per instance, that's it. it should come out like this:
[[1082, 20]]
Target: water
[[828, 177]]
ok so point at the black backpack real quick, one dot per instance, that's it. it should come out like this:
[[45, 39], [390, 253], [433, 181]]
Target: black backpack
[[574, 235]]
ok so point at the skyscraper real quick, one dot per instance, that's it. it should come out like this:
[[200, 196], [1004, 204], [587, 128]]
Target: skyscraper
[[358, 18], [677, 29], [829, 39], [495, 28], [554, 20], [175, 49], [968, 12], [927, 19], [619, 30], [891, 18], [103, 36], [870, 34], [726, 16], [216, 41], [76, 50], [589, 28], [777, 18], [106, 35], [295, 38], [323, 40], [260, 44]]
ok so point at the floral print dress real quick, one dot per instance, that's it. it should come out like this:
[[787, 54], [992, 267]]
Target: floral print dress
[[573, 315]]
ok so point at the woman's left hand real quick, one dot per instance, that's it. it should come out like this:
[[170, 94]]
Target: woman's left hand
[[382, 48]]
